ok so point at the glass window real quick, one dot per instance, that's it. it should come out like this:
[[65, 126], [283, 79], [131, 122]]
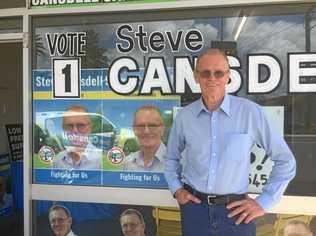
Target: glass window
[[135, 60]]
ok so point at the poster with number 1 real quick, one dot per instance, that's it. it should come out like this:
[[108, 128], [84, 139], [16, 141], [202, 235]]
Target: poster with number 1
[[66, 76], [83, 131]]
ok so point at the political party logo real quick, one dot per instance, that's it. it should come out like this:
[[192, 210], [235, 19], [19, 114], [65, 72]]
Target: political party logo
[[116, 155], [46, 154]]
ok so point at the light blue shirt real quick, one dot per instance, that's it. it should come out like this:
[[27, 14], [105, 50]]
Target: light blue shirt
[[90, 159], [135, 161], [217, 150]]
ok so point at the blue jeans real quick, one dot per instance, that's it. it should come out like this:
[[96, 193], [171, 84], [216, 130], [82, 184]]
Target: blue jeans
[[211, 220]]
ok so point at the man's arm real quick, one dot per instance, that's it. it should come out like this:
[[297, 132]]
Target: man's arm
[[176, 145], [183, 196], [284, 168], [282, 173], [173, 155]]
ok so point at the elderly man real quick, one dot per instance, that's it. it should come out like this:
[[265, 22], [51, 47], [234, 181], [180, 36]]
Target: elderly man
[[149, 128], [217, 133], [132, 223], [60, 221], [80, 153]]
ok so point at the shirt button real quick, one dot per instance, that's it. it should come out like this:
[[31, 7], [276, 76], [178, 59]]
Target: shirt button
[[212, 171], [214, 137], [214, 154]]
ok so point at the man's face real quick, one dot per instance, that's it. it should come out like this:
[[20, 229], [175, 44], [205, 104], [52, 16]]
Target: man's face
[[212, 73], [60, 223], [132, 226], [148, 128], [77, 127]]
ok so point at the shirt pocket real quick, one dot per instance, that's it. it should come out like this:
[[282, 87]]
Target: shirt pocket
[[237, 146]]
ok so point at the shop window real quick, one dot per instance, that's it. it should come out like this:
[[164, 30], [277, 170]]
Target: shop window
[[158, 51]]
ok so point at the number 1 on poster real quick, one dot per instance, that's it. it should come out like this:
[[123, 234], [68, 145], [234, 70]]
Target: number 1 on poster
[[66, 72], [66, 78]]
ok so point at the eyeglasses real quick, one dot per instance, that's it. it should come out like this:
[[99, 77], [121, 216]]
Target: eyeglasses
[[129, 226], [58, 220], [205, 74], [79, 126], [151, 127]]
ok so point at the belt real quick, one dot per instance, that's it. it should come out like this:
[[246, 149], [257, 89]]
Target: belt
[[212, 199]]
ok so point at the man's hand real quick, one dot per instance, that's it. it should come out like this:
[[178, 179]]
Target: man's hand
[[248, 209], [183, 196]]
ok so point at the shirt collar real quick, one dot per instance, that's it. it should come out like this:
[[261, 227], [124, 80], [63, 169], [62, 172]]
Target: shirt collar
[[70, 234], [87, 151], [68, 159], [200, 106], [225, 105], [159, 155], [161, 152]]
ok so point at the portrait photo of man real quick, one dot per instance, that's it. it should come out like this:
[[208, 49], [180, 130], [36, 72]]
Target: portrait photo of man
[[79, 152], [60, 221], [132, 223], [148, 128]]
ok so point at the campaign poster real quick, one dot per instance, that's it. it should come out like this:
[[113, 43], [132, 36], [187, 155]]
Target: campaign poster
[[101, 116], [99, 128], [92, 82], [97, 219]]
